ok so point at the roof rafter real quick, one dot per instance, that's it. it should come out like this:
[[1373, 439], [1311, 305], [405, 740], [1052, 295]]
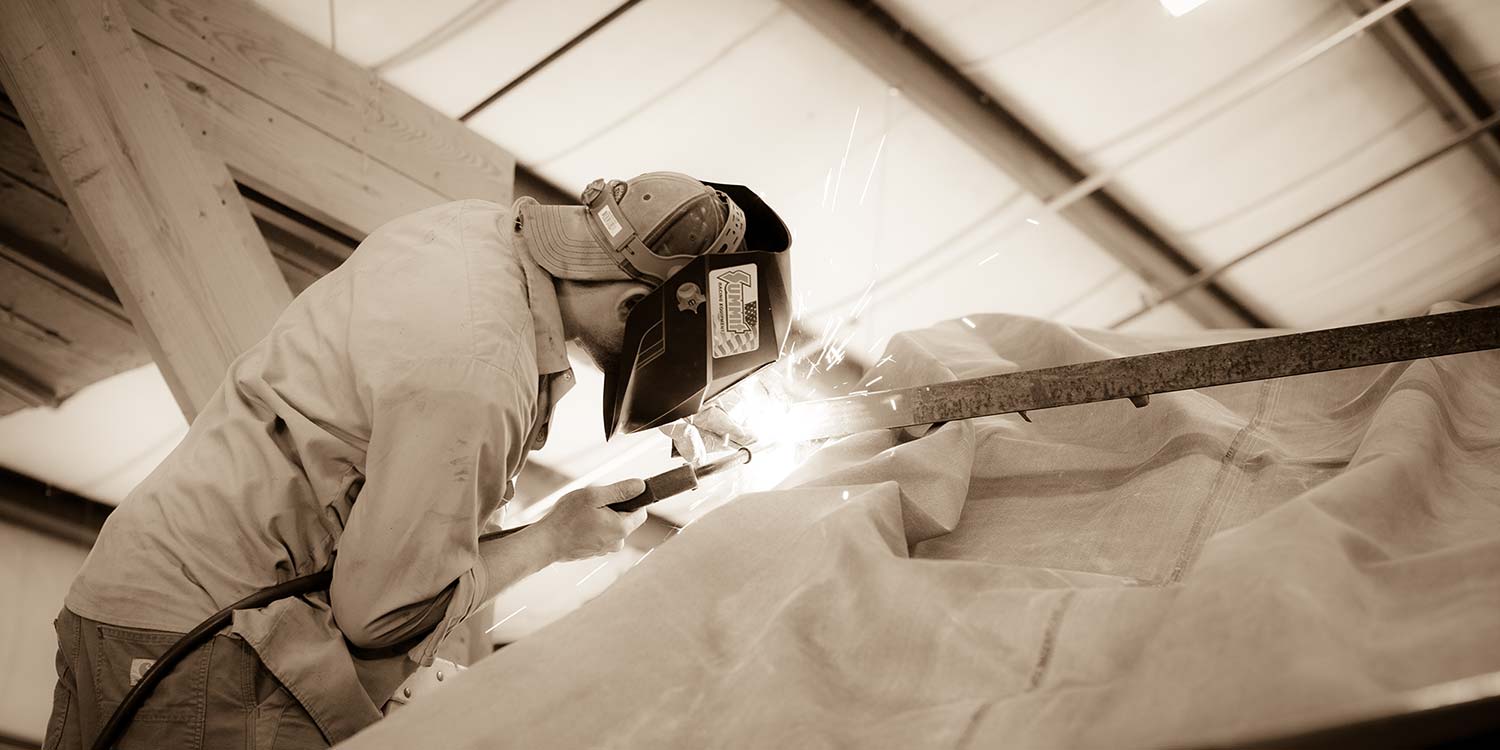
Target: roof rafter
[[1429, 65], [875, 38]]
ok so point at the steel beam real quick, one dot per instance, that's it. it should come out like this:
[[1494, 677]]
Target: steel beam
[[1429, 65], [872, 36], [1138, 377]]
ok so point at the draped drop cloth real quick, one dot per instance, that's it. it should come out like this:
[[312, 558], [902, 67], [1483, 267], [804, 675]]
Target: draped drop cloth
[[1227, 563]]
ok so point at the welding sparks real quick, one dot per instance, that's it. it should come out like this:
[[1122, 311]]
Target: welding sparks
[[992, 257], [846, 494], [864, 299], [873, 164], [877, 379], [888, 358], [643, 557], [893, 404], [1033, 222], [592, 572], [507, 619], [968, 322], [842, 163], [827, 183]]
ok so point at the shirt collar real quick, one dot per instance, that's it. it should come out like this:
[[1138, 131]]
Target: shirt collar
[[551, 349]]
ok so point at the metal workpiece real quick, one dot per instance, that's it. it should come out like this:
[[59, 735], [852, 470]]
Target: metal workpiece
[[1137, 377]]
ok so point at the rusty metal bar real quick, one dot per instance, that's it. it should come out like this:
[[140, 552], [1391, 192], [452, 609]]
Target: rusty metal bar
[[1136, 378]]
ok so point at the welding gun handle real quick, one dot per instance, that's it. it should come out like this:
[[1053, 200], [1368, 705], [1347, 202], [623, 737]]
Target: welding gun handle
[[647, 497], [660, 487]]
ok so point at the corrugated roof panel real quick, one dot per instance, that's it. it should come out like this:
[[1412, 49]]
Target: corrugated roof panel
[[1103, 80], [768, 101]]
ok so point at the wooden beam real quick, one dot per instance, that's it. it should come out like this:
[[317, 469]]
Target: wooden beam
[[264, 58], [21, 390], [38, 232], [282, 156], [166, 223], [34, 218], [57, 338], [41, 507], [877, 40]]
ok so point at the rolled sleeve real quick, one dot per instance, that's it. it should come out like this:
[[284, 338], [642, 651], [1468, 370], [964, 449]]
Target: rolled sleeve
[[445, 436]]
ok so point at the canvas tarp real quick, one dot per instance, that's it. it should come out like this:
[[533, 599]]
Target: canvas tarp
[[1222, 564]]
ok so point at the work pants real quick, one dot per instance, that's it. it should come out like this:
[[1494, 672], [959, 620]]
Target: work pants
[[219, 696]]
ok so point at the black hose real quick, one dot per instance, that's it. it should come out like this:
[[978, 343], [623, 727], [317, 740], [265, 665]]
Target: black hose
[[659, 487], [195, 638], [205, 630]]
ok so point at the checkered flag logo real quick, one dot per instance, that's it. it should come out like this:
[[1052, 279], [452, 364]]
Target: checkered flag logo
[[735, 310]]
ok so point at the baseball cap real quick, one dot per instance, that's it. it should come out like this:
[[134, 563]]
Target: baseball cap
[[645, 228]]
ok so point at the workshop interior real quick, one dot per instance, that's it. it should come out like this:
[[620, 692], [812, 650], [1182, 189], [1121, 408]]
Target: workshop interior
[[1101, 373]]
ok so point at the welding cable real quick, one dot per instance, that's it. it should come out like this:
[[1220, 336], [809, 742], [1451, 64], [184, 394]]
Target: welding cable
[[303, 585], [300, 586], [1208, 275], [192, 640], [659, 487], [206, 630]]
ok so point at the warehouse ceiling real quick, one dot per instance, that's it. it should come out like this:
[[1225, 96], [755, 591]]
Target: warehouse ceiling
[[907, 212]]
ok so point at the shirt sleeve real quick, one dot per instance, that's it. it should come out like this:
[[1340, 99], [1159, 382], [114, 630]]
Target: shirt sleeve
[[444, 435]]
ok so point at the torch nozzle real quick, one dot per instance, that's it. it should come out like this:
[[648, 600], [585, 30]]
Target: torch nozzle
[[740, 456]]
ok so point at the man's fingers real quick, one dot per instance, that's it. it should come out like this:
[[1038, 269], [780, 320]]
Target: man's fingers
[[716, 420], [634, 520], [620, 491]]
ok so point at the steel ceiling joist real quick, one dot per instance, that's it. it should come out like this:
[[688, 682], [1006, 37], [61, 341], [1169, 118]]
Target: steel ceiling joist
[[872, 36], [1429, 65]]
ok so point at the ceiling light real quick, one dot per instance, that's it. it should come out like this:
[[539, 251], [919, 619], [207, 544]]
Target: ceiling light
[[1180, 8]]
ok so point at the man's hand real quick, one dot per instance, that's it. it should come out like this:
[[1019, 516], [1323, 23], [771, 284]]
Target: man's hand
[[709, 431], [581, 527]]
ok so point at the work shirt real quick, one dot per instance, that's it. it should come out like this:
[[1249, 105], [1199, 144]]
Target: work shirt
[[375, 429]]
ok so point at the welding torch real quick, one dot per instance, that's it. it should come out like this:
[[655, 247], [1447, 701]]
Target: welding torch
[[667, 484]]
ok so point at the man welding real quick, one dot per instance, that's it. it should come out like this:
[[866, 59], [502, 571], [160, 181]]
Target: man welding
[[375, 430]]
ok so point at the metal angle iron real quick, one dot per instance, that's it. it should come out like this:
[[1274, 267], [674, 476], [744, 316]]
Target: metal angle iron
[[1136, 378]]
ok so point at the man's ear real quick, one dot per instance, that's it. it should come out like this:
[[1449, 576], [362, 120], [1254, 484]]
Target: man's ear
[[630, 295]]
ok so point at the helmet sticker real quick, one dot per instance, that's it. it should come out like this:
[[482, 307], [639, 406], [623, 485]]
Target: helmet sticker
[[733, 314], [610, 222]]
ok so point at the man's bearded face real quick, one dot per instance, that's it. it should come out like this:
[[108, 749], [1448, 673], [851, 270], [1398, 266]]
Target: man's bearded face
[[603, 348]]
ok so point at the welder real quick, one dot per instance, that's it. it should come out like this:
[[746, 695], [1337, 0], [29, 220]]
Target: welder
[[378, 426]]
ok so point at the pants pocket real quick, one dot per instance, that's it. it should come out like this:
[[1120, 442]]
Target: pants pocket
[[62, 725], [60, 731], [173, 714]]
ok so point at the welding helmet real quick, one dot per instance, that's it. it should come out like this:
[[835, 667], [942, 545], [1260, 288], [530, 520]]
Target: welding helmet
[[717, 258]]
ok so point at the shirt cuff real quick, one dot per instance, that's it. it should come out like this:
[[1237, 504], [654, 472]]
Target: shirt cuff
[[465, 600]]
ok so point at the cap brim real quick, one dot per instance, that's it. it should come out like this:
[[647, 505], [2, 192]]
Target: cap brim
[[560, 242]]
